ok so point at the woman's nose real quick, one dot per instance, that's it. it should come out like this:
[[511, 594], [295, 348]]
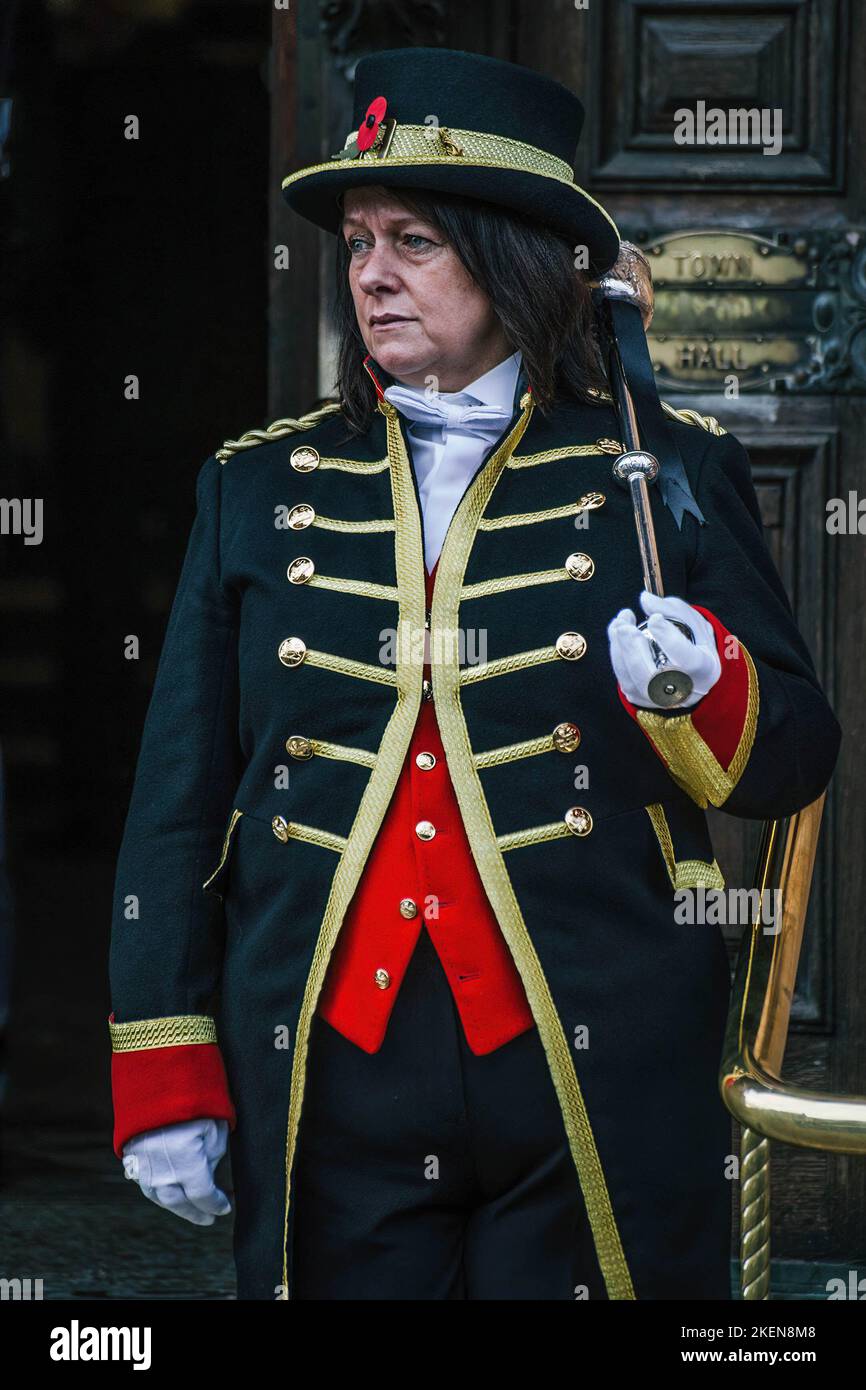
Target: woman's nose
[[379, 271]]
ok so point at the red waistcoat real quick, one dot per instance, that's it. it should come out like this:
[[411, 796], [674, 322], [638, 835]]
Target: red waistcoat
[[415, 879]]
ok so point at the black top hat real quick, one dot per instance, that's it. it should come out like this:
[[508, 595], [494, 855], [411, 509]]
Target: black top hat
[[455, 122]]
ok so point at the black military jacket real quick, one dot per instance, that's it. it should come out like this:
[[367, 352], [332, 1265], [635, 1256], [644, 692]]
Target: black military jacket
[[305, 559]]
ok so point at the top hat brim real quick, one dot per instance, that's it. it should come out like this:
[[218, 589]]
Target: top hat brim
[[564, 207]]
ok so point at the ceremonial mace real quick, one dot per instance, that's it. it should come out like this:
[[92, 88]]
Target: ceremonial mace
[[631, 279]]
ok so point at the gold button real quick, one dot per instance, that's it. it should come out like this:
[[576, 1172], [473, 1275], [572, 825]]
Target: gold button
[[590, 500], [425, 830], [566, 737], [425, 761], [383, 979], [580, 565], [578, 820], [570, 645], [301, 570], [408, 907], [299, 747], [305, 459], [292, 651], [300, 516], [280, 827]]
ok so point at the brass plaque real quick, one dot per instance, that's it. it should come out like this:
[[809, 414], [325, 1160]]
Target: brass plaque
[[737, 311]]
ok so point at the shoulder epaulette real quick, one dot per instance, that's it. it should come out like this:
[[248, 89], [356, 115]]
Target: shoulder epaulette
[[688, 417], [278, 430], [692, 417]]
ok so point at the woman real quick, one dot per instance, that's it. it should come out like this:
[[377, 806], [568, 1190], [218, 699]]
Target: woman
[[466, 1049]]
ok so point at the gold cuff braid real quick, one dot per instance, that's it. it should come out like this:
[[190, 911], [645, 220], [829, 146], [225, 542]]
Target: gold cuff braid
[[691, 761], [145, 1033]]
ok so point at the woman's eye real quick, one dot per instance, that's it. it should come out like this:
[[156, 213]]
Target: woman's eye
[[417, 238], [354, 242]]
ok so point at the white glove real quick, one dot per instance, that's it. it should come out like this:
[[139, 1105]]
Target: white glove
[[174, 1167], [631, 655]]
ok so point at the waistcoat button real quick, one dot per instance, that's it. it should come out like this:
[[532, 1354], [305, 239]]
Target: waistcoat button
[[425, 761], [408, 907], [425, 830], [382, 978]]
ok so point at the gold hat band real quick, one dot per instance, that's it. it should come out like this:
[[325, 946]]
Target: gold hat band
[[424, 144], [438, 145]]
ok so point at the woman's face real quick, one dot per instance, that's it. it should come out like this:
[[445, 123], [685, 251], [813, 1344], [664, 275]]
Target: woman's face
[[420, 313]]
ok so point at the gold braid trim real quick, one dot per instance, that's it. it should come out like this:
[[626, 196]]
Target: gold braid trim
[[683, 873], [589, 502], [485, 587], [601, 446], [535, 835], [343, 753], [278, 430], [694, 873], [363, 670], [145, 1033], [663, 835], [510, 752], [315, 836], [363, 587], [332, 523], [504, 665], [691, 761], [356, 465]]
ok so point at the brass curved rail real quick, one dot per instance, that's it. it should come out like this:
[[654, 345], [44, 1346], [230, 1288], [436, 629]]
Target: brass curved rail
[[750, 1076]]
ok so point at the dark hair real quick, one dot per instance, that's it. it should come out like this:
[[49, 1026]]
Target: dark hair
[[528, 272]]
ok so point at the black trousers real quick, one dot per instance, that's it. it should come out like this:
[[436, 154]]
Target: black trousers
[[425, 1172]]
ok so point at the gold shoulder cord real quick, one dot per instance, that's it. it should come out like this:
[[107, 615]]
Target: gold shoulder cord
[[278, 430], [687, 417], [692, 417]]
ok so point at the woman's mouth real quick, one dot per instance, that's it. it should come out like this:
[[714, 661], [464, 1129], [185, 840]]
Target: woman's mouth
[[385, 321]]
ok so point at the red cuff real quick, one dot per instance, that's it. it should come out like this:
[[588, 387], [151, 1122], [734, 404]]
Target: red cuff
[[720, 716], [163, 1085]]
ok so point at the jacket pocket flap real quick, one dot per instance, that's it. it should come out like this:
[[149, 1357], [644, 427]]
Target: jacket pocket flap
[[215, 881], [687, 849]]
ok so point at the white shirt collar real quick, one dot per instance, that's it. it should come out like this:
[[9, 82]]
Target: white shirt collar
[[495, 387]]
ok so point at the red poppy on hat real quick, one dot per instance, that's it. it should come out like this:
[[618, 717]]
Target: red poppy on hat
[[369, 127]]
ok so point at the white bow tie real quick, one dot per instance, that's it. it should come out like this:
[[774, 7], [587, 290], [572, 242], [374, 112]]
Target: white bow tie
[[437, 411]]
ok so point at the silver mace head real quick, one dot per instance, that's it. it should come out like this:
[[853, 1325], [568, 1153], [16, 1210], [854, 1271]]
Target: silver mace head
[[669, 687]]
